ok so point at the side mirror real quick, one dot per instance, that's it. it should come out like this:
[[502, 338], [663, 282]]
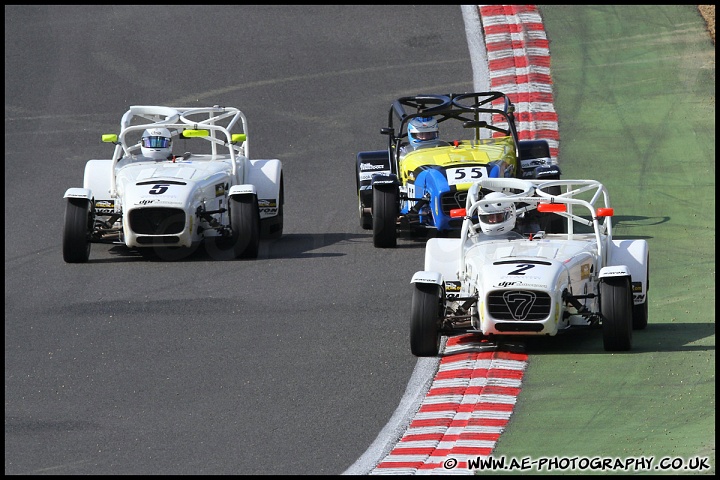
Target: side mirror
[[475, 124], [605, 212], [193, 133], [551, 207], [457, 212], [237, 137], [109, 138]]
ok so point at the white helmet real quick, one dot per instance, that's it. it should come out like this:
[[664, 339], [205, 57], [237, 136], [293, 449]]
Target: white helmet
[[496, 214], [422, 129], [156, 143]]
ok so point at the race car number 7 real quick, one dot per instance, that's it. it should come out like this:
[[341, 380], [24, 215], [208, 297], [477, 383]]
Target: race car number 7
[[465, 174]]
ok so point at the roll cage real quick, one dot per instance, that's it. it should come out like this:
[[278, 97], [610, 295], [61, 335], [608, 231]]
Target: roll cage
[[481, 111], [590, 196], [214, 124]]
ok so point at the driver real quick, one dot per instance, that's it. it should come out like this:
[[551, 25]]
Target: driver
[[157, 144], [422, 131], [496, 215]]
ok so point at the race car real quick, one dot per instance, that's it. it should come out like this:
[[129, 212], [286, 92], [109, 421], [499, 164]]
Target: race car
[[412, 186], [501, 280], [148, 198]]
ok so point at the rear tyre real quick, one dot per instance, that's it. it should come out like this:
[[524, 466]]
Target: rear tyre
[[77, 230], [616, 308], [384, 216], [245, 224], [425, 319]]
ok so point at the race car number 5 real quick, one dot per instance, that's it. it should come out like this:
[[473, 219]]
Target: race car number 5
[[465, 174], [159, 189]]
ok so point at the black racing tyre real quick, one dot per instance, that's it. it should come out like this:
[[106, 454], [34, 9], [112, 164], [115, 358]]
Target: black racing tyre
[[245, 224], [616, 308], [272, 228], [366, 222], [77, 231], [384, 216], [425, 315]]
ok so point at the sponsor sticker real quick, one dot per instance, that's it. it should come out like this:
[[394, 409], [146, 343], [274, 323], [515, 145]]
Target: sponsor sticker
[[584, 271], [452, 286], [370, 166]]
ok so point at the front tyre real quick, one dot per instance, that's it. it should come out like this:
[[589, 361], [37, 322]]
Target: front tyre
[[384, 216], [245, 224], [77, 230], [425, 316], [616, 308]]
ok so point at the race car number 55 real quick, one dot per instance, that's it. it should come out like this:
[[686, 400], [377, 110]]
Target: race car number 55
[[465, 174]]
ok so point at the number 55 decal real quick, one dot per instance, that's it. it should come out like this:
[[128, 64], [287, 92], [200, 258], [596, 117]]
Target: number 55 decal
[[465, 174], [159, 189]]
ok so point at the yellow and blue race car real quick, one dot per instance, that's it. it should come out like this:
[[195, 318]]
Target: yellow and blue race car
[[415, 184]]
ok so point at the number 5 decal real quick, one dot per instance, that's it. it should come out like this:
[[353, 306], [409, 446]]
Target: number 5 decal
[[159, 189]]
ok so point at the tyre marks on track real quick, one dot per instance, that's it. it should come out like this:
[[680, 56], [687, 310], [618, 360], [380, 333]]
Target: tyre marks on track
[[475, 389]]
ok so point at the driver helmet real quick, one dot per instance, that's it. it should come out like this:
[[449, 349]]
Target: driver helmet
[[422, 130], [496, 214], [156, 143]]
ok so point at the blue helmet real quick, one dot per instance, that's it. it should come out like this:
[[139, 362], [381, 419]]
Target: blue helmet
[[422, 130]]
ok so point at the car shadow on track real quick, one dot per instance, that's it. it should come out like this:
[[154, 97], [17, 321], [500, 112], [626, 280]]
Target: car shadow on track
[[661, 337], [287, 246]]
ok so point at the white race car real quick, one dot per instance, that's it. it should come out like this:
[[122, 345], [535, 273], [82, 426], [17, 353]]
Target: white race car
[[150, 199], [503, 278]]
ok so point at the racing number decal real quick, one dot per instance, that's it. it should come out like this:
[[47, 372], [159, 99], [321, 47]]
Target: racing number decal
[[465, 174], [521, 270], [473, 174], [159, 189]]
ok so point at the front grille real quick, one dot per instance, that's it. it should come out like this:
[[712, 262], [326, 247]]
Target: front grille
[[452, 200], [519, 305], [157, 221]]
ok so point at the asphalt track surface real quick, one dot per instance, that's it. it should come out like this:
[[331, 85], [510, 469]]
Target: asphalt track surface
[[294, 363]]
